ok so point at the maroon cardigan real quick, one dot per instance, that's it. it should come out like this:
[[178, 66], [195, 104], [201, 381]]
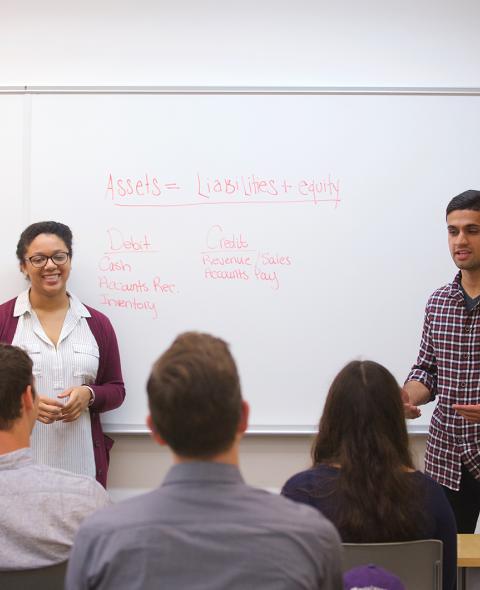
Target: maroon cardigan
[[108, 387]]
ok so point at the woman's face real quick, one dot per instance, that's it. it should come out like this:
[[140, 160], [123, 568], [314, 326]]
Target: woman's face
[[51, 279]]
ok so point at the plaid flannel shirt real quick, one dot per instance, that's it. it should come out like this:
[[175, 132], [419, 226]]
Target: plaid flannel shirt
[[448, 364]]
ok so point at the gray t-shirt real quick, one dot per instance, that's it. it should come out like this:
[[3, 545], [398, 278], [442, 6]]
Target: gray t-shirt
[[205, 529], [41, 509]]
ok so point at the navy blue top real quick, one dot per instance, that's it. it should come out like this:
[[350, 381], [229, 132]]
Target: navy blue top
[[307, 487]]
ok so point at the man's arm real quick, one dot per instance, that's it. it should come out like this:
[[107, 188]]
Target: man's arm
[[421, 384], [414, 394]]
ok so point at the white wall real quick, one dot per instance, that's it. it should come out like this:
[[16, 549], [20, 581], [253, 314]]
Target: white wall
[[253, 42], [138, 464], [248, 42]]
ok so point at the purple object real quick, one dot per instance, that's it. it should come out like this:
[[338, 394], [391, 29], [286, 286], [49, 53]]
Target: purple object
[[371, 577]]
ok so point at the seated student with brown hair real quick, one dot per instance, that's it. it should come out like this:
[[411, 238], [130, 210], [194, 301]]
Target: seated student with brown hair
[[203, 527], [363, 478], [41, 507]]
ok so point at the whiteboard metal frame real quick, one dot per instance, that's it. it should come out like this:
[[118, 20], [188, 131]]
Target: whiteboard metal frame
[[309, 431], [317, 90]]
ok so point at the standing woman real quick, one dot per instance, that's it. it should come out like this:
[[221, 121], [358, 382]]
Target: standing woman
[[74, 351]]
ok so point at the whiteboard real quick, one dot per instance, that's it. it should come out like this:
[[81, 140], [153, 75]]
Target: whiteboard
[[305, 229], [13, 176]]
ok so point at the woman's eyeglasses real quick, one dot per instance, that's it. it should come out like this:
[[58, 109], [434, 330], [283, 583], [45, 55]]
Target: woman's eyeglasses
[[40, 260]]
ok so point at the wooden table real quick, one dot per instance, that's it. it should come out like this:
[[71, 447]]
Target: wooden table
[[468, 555]]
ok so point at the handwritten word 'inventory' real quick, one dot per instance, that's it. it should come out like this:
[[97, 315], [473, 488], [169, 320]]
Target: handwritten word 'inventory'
[[201, 189], [118, 288], [228, 257]]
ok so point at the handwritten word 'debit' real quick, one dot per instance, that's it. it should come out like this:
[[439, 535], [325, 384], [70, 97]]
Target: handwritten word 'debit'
[[132, 304], [137, 187], [217, 241], [117, 242]]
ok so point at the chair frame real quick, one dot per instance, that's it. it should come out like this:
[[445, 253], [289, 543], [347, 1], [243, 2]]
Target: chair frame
[[51, 577], [417, 563]]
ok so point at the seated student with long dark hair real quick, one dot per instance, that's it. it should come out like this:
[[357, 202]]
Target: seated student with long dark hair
[[363, 478]]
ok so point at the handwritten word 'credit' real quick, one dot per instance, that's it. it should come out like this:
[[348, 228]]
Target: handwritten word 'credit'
[[216, 240]]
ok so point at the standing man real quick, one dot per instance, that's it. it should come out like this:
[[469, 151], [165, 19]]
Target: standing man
[[204, 527], [448, 368]]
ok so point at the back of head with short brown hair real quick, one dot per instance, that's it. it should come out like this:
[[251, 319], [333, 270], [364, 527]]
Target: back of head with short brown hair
[[15, 377], [194, 396]]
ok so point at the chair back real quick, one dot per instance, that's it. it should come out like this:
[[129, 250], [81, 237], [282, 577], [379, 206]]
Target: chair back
[[51, 577], [417, 563]]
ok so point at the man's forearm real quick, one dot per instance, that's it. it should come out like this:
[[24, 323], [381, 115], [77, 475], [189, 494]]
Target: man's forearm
[[418, 393]]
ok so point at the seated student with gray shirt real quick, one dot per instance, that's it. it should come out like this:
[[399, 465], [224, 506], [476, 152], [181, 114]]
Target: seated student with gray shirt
[[204, 527], [41, 507]]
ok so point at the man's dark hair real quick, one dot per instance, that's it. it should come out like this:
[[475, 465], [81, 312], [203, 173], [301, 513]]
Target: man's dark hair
[[194, 396], [43, 227], [15, 377], [467, 200]]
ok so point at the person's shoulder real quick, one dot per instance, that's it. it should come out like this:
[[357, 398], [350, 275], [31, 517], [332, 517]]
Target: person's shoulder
[[99, 324], [6, 308], [98, 315], [122, 517], [74, 484], [288, 513], [427, 480], [431, 487], [436, 503], [305, 522], [443, 293], [309, 477]]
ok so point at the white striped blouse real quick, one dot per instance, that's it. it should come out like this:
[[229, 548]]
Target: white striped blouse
[[73, 362]]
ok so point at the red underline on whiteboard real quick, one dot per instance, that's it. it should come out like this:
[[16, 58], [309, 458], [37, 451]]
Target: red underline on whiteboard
[[297, 201], [226, 251], [133, 252]]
